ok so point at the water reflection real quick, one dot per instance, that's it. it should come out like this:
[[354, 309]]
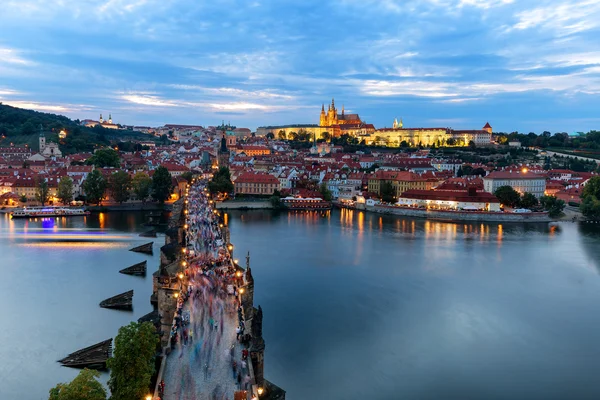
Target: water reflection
[[432, 307]]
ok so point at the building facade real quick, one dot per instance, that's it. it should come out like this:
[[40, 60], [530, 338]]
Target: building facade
[[519, 180], [256, 183]]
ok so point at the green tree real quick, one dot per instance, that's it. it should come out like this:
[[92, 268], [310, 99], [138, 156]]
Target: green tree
[[387, 192], [281, 135], [553, 205], [120, 186], [270, 136], [188, 176], [591, 188], [141, 184], [65, 190], [132, 363], [326, 193], [85, 386], [23, 199], [221, 182], [451, 141], [590, 207], [508, 196], [326, 136], [42, 192], [162, 184], [528, 200], [472, 145], [105, 158], [94, 187]]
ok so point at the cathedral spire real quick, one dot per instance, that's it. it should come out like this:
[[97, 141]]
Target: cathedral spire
[[342, 109], [332, 104], [322, 107]]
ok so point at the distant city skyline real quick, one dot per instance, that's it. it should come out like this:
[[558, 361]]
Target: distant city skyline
[[526, 66]]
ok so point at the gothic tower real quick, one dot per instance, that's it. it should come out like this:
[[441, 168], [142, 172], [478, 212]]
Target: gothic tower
[[101, 120], [323, 118], [109, 119]]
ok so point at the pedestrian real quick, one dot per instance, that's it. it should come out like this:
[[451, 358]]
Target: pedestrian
[[238, 332], [239, 380], [234, 368], [244, 365]]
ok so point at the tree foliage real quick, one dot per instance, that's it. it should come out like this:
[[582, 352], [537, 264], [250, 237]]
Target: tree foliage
[[104, 158], [221, 182], [65, 190], [94, 187], [132, 363], [270, 136], [84, 386], [325, 192], [162, 184], [42, 192], [590, 205], [387, 192], [553, 205], [508, 196], [141, 185], [528, 200], [120, 186]]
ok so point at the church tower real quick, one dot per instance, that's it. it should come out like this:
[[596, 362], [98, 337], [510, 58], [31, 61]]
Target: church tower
[[101, 120], [323, 118], [42, 142], [109, 119], [395, 125]]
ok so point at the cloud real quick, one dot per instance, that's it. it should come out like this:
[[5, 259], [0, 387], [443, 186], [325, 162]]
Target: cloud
[[563, 18], [12, 56], [40, 106], [234, 92], [149, 100]]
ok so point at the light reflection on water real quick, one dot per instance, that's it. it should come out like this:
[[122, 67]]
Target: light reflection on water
[[54, 273], [360, 305]]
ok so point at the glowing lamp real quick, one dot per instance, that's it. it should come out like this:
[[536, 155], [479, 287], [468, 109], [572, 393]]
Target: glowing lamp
[[241, 290], [260, 391]]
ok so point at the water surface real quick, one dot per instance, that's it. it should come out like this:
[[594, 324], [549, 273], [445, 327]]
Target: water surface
[[362, 306]]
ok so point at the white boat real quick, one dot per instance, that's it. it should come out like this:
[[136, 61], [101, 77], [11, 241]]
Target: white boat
[[43, 212]]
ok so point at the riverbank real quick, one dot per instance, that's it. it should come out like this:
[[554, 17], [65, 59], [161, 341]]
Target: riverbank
[[455, 216]]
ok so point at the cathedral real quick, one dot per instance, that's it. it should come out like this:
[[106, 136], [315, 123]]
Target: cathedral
[[333, 118]]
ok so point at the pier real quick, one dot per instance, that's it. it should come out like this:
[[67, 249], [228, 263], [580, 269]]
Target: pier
[[211, 332]]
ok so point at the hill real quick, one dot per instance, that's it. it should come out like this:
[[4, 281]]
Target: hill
[[19, 126]]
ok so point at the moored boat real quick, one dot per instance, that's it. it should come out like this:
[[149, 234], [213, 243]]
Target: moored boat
[[46, 212]]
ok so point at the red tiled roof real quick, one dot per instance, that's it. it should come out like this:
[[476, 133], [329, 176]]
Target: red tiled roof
[[513, 175], [254, 177]]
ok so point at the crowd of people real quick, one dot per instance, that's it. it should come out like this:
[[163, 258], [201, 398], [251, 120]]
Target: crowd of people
[[207, 335]]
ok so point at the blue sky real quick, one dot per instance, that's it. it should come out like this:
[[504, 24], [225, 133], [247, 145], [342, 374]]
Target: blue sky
[[521, 65]]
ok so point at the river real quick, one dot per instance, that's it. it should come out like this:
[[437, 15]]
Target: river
[[356, 305], [54, 274]]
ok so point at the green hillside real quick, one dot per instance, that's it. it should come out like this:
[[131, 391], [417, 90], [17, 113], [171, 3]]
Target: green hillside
[[20, 127]]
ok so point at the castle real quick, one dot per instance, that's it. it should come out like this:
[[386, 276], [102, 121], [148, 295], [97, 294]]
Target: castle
[[333, 118]]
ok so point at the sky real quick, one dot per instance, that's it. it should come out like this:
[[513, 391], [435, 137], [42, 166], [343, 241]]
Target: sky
[[522, 65]]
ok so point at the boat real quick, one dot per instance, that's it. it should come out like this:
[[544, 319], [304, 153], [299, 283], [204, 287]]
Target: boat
[[47, 212]]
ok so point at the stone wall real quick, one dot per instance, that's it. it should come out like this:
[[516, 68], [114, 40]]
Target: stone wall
[[476, 216], [232, 205]]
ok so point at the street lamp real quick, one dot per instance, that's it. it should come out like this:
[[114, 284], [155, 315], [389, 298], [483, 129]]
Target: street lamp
[[149, 397], [184, 263], [241, 290], [260, 391], [180, 276]]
